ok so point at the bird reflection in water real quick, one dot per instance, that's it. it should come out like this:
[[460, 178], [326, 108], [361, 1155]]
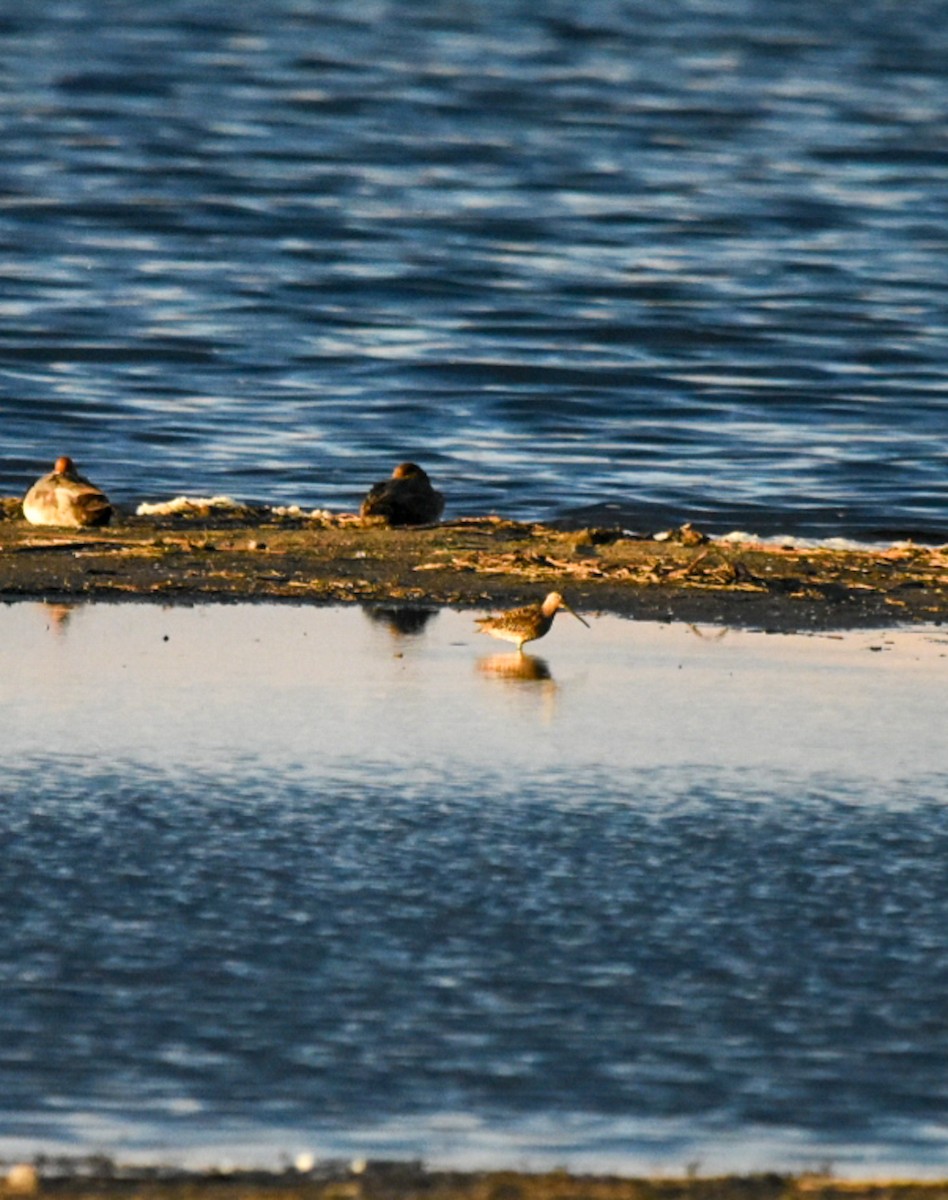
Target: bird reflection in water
[[516, 667], [709, 635], [526, 679], [400, 620], [58, 615]]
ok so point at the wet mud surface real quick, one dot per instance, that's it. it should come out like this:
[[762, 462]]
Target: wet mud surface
[[412, 1181], [262, 554]]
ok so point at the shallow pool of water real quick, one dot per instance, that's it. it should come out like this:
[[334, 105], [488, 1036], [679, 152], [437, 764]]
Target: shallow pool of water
[[342, 881]]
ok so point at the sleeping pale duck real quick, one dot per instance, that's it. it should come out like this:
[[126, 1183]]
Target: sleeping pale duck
[[66, 499]]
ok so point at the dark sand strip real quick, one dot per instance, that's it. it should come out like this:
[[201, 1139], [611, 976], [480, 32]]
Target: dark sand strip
[[257, 554]]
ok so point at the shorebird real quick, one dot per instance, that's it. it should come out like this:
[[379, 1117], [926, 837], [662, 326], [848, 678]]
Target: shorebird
[[66, 498], [521, 625], [406, 499]]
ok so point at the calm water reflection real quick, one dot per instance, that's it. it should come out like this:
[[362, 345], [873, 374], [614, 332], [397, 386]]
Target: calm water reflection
[[339, 687], [286, 879]]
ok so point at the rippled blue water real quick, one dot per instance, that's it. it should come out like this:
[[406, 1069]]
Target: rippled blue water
[[282, 880], [684, 260], [322, 957]]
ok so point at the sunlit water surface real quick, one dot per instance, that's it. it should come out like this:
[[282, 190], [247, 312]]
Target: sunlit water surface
[[683, 260], [346, 882]]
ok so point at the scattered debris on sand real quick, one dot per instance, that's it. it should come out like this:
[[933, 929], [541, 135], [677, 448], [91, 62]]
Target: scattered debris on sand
[[192, 550]]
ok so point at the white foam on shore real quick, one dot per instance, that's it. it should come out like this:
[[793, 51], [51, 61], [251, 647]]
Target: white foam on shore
[[792, 542], [201, 504], [180, 504], [294, 510], [198, 504]]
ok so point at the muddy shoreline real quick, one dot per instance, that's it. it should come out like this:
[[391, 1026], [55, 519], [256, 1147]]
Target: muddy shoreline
[[212, 555], [413, 1181]]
